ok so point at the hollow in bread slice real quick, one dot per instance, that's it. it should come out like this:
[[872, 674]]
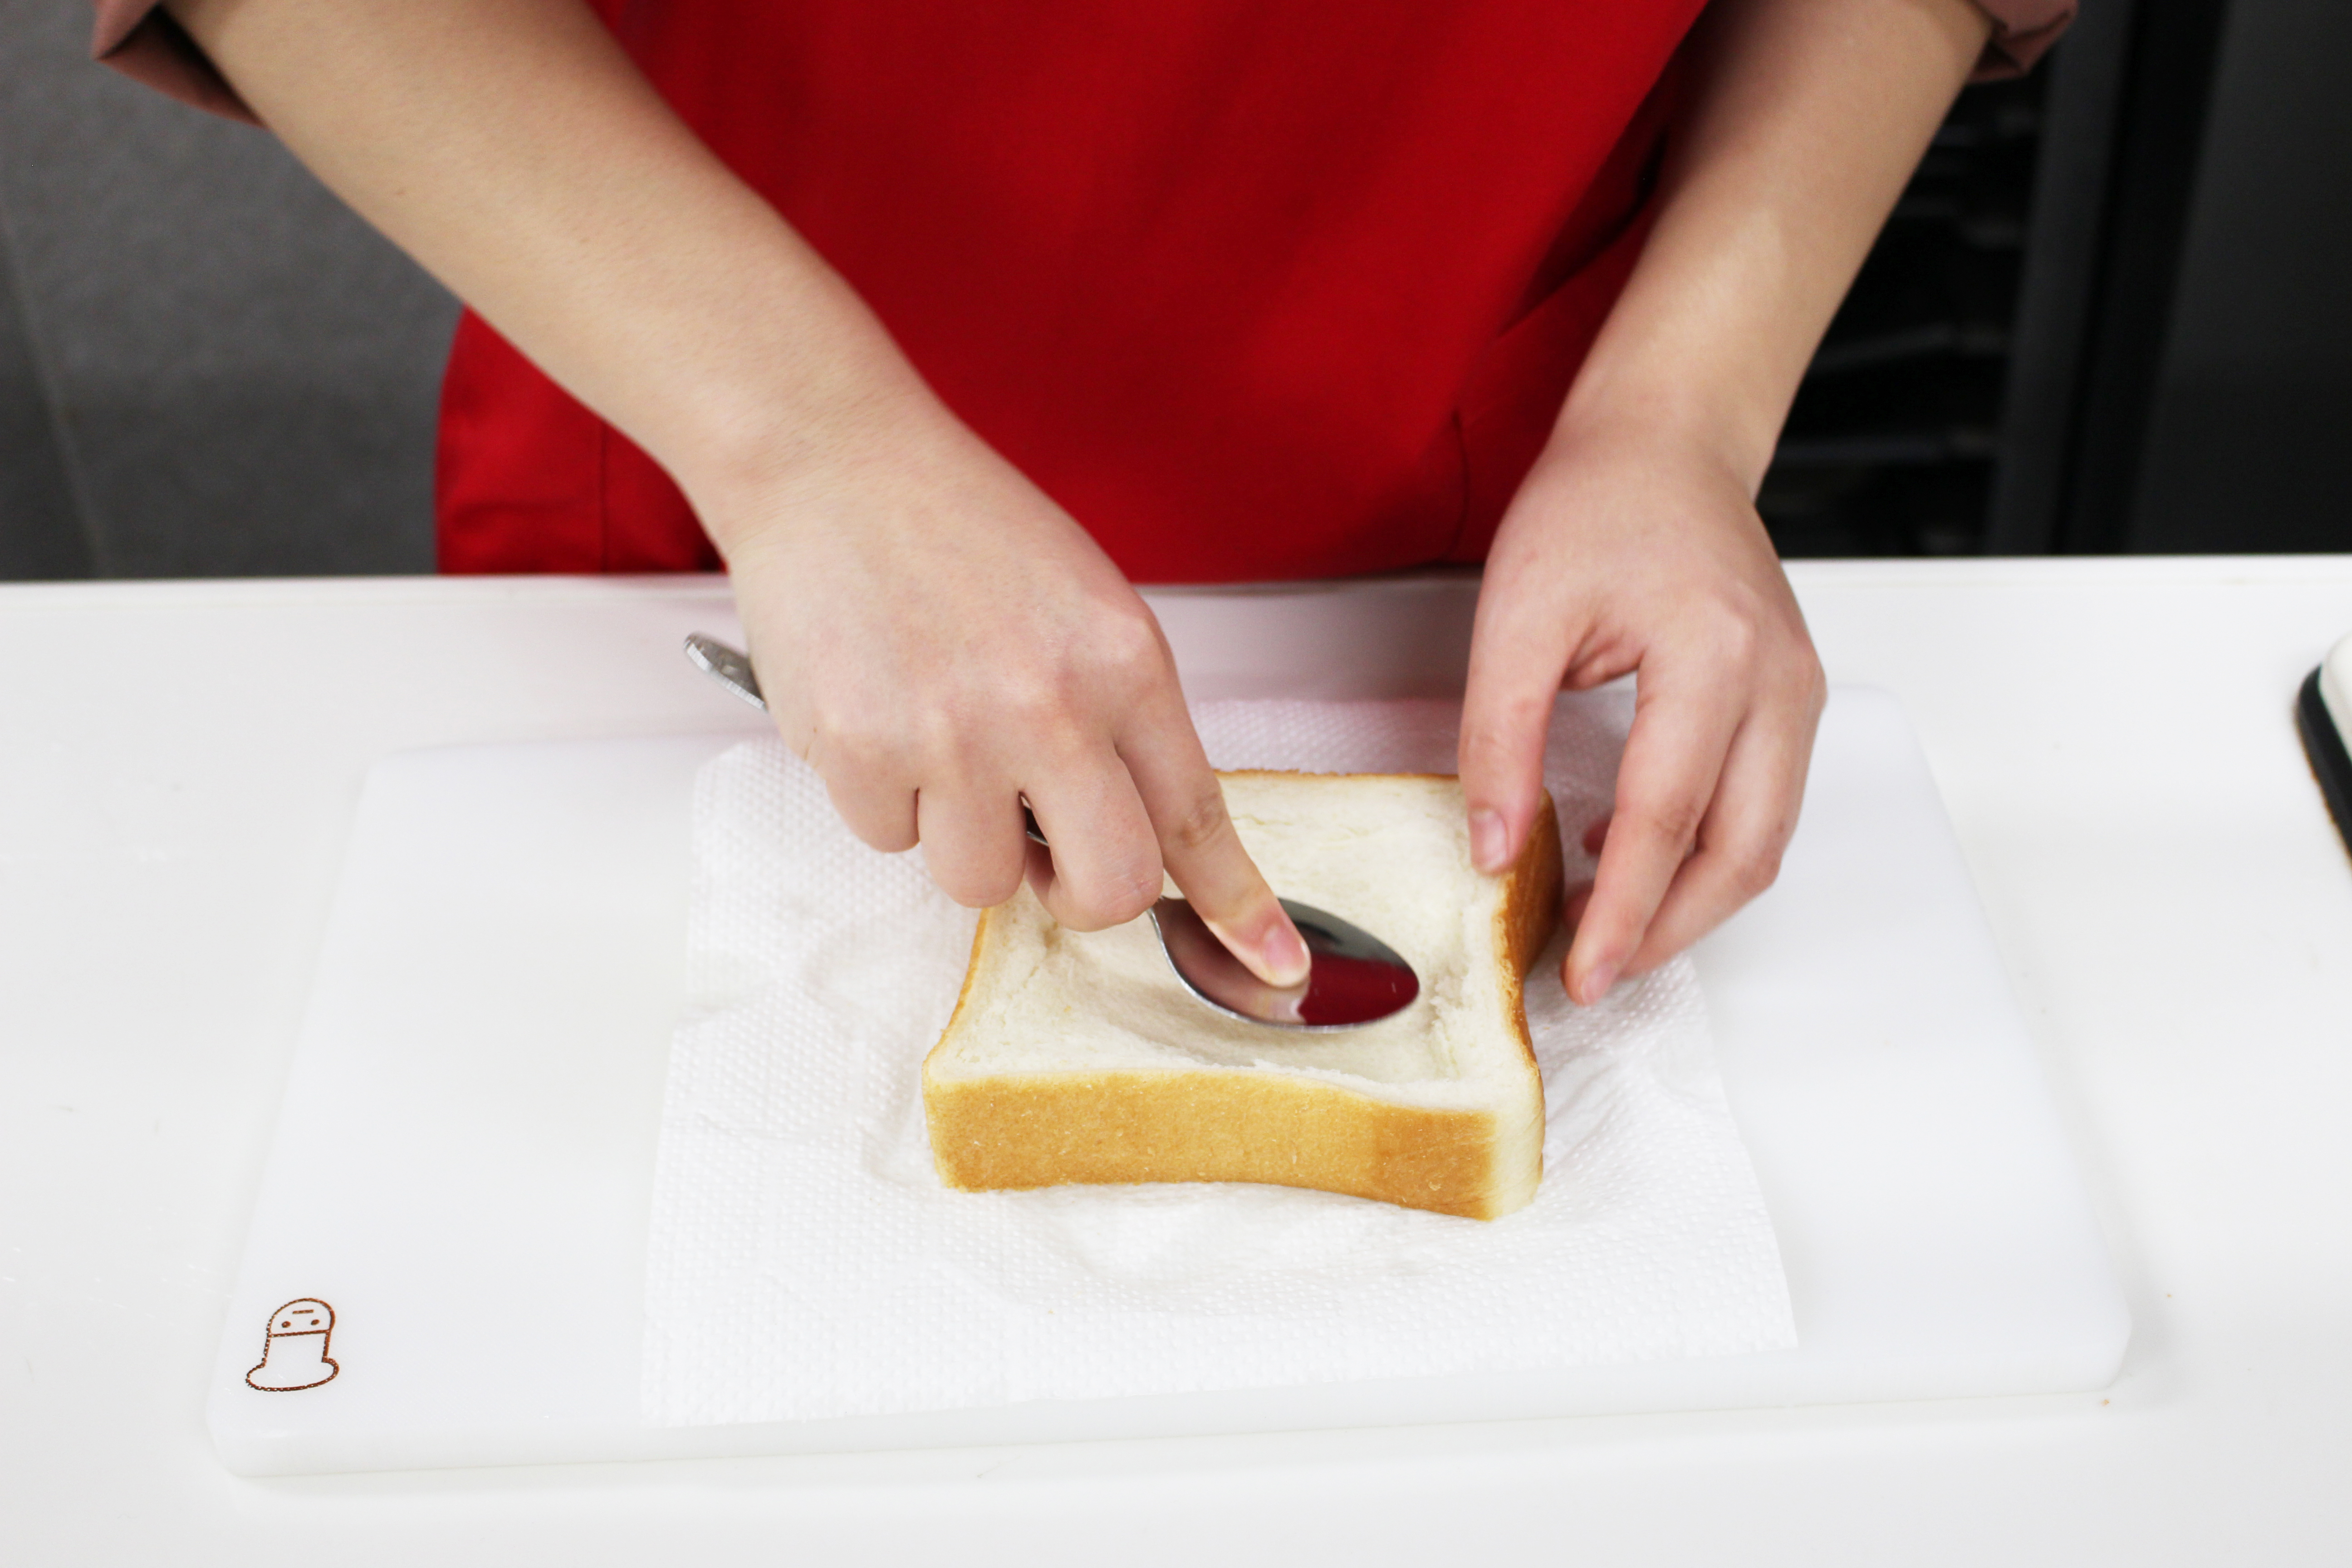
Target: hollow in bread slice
[[1076, 1056]]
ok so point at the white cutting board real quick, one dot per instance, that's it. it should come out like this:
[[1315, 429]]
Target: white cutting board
[[464, 1163]]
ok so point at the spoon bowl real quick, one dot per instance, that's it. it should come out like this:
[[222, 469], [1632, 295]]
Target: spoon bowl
[[1353, 978]]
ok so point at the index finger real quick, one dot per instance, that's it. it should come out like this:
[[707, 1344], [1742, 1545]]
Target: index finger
[[1198, 845]]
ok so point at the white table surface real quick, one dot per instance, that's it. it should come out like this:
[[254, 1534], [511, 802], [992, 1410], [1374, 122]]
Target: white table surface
[[178, 766]]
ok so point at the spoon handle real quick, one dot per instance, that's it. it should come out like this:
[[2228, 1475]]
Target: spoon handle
[[731, 667]]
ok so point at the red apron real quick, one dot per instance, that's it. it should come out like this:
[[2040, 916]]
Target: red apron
[[1256, 288]]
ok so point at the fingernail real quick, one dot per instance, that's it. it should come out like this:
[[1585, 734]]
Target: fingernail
[[1490, 845], [1596, 983], [1284, 954]]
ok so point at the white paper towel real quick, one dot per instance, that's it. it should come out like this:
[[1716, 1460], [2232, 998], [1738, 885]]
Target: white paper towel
[[804, 1261]]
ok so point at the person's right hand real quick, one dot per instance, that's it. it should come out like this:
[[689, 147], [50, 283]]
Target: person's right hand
[[940, 640], [937, 636]]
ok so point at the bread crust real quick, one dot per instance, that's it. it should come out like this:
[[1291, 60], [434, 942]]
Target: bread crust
[[1530, 914], [1020, 1131], [1217, 1124]]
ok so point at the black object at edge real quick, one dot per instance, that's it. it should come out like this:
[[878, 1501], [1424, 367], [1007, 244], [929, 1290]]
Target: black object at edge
[[2329, 761]]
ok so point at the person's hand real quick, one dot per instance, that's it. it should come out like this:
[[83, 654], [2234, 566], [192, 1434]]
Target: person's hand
[[1629, 550], [940, 641]]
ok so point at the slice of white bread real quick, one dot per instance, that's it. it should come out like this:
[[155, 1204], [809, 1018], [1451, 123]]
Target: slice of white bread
[[1078, 1056]]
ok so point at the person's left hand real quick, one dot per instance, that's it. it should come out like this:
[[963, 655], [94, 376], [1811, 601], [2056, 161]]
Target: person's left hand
[[1631, 550]]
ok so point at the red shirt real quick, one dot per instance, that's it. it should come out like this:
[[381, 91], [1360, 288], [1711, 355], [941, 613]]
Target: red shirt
[[1256, 288]]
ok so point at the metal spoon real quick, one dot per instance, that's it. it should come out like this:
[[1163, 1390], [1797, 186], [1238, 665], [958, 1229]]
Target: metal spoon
[[1353, 978]]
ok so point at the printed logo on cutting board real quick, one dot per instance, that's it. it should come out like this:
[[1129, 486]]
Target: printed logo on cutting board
[[294, 1356]]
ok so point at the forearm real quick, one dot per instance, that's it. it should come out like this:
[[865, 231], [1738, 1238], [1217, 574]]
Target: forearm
[[1634, 546], [1806, 119], [515, 151]]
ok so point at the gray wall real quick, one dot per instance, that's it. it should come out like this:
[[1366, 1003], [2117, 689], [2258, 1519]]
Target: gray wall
[[2250, 443], [207, 365]]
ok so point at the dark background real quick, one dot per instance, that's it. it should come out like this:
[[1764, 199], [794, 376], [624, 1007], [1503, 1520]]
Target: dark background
[[2111, 314]]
